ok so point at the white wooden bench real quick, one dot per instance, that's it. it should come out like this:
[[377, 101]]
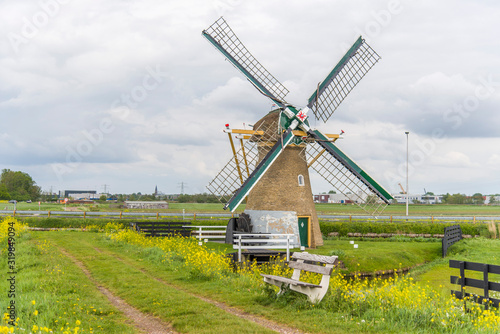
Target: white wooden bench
[[263, 241], [313, 291]]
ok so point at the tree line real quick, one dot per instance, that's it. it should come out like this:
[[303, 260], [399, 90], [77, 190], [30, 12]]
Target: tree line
[[19, 186]]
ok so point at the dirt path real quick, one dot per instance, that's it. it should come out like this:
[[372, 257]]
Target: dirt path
[[277, 327], [145, 323]]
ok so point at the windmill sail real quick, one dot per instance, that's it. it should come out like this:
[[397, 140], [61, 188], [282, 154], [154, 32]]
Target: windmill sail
[[358, 60], [260, 170], [235, 181], [345, 175], [231, 177], [220, 35]]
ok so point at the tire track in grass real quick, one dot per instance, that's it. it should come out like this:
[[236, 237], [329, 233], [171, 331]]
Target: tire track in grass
[[193, 315], [272, 325], [145, 323]]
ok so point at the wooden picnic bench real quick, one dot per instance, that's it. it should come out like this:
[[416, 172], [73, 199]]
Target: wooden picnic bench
[[162, 229], [306, 262]]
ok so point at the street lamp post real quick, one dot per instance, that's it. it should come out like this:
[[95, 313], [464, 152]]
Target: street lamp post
[[407, 189]]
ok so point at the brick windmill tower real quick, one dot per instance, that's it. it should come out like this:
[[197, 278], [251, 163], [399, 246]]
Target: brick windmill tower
[[272, 162]]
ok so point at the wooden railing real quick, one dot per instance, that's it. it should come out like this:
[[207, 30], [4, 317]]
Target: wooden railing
[[485, 284], [263, 241], [452, 234]]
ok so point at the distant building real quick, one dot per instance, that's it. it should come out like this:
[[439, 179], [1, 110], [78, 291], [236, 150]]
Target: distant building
[[492, 200], [146, 204], [415, 198], [334, 198], [400, 198], [80, 194]]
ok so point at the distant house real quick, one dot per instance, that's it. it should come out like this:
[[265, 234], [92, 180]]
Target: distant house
[[415, 198], [335, 198], [146, 204]]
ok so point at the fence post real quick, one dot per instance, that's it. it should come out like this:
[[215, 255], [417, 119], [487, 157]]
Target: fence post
[[287, 248], [120, 215], [350, 218], [14, 213], [474, 219], [391, 218], [194, 216], [157, 215], [84, 214], [486, 287], [432, 219], [462, 283], [239, 248], [48, 215]]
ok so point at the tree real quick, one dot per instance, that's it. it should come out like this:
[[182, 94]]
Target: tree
[[477, 198], [19, 185], [4, 194], [456, 199]]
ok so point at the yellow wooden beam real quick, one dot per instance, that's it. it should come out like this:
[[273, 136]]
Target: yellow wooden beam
[[250, 133]]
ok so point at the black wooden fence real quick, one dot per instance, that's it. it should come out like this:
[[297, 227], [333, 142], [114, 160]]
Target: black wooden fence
[[484, 283], [162, 229], [452, 234]]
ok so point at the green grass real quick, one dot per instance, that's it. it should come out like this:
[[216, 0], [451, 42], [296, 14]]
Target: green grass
[[414, 209], [61, 292], [376, 256], [480, 250], [186, 313], [321, 208], [140, 266]]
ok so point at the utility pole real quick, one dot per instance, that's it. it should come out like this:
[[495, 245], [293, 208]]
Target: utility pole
[[182, 184], [407, 189], [105, 188]]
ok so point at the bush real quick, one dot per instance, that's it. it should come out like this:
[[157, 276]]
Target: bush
[[344, 227]]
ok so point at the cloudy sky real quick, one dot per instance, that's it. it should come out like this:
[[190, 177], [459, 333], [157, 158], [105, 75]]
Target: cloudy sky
[[128, 94]]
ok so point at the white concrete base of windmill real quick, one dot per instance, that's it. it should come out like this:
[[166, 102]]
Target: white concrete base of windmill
[[276, 222]]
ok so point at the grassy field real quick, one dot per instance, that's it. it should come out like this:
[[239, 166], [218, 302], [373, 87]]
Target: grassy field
[[166, 278], [322, 209]]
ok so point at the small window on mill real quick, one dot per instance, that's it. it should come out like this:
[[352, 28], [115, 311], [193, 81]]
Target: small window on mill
[[301, 180]]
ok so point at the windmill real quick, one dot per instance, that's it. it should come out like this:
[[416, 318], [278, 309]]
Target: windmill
[[271, 165]]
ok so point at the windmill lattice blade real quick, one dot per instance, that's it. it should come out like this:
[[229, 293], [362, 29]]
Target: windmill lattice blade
[[342, 79], [228, 180], [224, 39], [343, 180]]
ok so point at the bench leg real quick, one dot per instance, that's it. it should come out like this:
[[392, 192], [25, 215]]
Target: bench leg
[[276, 283], [315, 295]]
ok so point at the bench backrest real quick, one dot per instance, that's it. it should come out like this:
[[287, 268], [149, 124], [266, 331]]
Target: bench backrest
[[161, 228], [315, 268]]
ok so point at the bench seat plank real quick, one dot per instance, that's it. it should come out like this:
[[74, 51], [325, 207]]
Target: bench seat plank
[[315, 258], [311, 267], [290, 281]]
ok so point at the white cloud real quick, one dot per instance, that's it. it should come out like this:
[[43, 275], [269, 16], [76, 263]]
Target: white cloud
[[65, 78]]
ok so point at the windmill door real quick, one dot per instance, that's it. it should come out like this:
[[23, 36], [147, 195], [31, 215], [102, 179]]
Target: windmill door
[[304, 230]]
